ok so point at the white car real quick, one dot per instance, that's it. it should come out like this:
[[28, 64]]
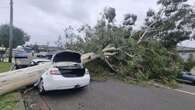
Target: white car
[[66, 72]]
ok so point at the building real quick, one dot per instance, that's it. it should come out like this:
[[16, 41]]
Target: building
[[186, 52], [2, 52]]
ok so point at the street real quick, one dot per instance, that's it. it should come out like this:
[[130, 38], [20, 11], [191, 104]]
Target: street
[[115, 95]]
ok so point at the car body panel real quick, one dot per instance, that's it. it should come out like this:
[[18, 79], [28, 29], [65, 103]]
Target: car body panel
[[60, 83], [188, 77]]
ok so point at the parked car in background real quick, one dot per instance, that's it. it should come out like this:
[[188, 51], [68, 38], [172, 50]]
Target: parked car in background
[[21, 57], [38, 61], [47, 55], [188, 77], [66, 72]]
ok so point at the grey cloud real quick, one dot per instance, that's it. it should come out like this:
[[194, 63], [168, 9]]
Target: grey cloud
[[44, 20], [72, 9]]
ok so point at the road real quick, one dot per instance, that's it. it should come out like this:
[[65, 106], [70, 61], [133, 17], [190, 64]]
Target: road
[[115, 95]]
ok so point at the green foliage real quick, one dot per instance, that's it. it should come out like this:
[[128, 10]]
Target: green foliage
[[8, 101], [20, 37], [151, 61], [171, 24], [189, 64], [98, 69], [4, 67]]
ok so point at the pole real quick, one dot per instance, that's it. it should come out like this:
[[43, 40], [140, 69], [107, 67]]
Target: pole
[[11, 31]]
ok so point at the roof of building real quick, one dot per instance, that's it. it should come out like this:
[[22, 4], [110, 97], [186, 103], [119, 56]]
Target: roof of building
[[185, 49]]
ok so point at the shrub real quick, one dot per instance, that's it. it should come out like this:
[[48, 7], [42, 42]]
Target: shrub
[[189, 64]]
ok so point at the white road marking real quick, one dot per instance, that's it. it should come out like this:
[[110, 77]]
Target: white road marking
[[184, 92], [177, 90]]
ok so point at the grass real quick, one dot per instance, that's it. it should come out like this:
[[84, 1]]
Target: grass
[[8, 101], [4, 67]]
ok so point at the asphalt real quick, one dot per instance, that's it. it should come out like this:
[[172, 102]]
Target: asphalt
[[187, 87], [116, 95]]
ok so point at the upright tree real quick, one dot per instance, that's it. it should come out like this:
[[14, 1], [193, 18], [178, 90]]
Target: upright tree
[[128, 22], [109, 14], [59, 42], [20, 37]]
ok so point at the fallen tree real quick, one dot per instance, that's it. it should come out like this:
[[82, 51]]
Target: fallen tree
[[13, 80]]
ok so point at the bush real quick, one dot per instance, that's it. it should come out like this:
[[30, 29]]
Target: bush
[[189, 64], [98, 69]]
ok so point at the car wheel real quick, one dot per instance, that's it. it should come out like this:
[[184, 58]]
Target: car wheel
[[41, 88]]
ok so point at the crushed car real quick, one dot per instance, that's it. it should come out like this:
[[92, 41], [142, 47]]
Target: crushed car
[[66, 72]]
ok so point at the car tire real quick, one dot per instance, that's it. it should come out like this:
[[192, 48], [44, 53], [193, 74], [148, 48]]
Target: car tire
[[41, 88]]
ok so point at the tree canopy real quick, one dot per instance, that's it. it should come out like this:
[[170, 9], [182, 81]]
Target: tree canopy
[[171, 24], [142, 54], [20, 37]]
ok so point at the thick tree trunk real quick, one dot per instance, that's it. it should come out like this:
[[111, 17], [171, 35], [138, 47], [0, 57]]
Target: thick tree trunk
[[13, 80]]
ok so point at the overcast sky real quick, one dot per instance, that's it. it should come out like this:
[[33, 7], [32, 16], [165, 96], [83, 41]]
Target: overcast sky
[[44, 20]]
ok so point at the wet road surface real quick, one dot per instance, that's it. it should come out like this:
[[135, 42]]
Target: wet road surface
[[115, 95]]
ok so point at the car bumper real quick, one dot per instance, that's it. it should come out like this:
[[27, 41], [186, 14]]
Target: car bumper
[[61, 83]]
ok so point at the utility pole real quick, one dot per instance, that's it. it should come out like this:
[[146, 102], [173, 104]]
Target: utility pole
[[11, 31]]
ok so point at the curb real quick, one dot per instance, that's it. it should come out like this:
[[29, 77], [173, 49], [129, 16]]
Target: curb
[[20, 103], [161, 86]]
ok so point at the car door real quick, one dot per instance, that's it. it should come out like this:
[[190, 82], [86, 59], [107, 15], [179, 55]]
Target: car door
[[188, 77]]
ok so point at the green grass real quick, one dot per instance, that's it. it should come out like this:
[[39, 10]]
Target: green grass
[[4, 67], [8, 101]]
